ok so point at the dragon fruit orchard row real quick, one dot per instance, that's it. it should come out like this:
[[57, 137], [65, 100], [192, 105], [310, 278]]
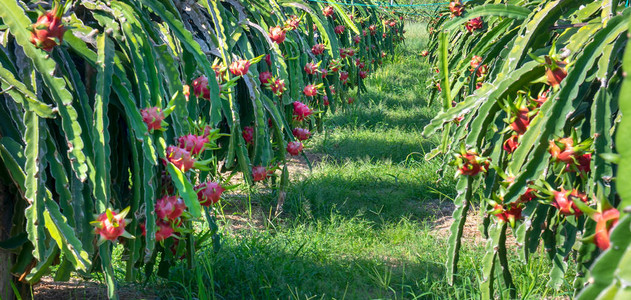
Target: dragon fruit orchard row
[[123, 121]]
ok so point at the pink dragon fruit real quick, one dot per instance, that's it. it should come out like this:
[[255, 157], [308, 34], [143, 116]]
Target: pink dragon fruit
[[193, 143], [278, 87], [248, 134], [240, 67], [209, 193], [48, 31], [265, 78], [180, 157], [301, 111], [318, 49], [310, 90], [294, 148], [277, 34], [363, 74], [165, 231], [153, 117], [200, 87], [339, 29], [328, 11], [170, 208], [311, 68], [301, 133], [110, 225], [259, 173], [357, 39]]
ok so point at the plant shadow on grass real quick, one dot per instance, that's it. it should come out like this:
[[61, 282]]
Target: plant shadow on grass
[[266, 266]]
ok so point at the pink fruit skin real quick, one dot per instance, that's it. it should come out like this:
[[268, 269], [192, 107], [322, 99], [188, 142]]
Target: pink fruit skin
[[310, 90], [200, 87], [301, 111], [318, 49], [193, 143], [301, 133], [109, 231], [294, 148], [604, 222], [563, 202], [311, 68], [164, 231], [170, 208], [240, 67], [181, 158], [209, 193], [153, 117], [259, 173], [339, 29], [248, 134], [48, 31], [265, 77], [277, 34]]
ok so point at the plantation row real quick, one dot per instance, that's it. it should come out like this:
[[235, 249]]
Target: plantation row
[[534, 100], [120, 119]]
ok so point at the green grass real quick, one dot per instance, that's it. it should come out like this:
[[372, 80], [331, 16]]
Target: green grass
[[360, 225]]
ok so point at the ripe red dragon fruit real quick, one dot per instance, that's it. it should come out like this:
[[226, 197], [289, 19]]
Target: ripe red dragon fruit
[[265, 77], [384, 35], [310, 90], [259, 173], [200, 87], [372, 29], [350, 52], [318, 49], [153, 117], [325, 101], [294, 148], [471, 164], [209, 193], [344, 77], [563, 202], [339, 29], [301, 111], [240, 67], [541, 99], [324, 73], [555, 71], [474, 24], [511, 144], [456, 8], [363, 74], [248, 134], [110, 225], [268, 60], [350, 100], [508, 215], [277, 34], [301, 134], [364, 32], [193, 143], [475, 62], [292, 23], [564, 152], [342, 53], [278, 87], [165, 231], [48, 31], [424, 53], [605, 221], [181, 158], [169, 208], [520, 125], [528, 196], [328, 11], [311, 68], [357, 39], [332, 88]]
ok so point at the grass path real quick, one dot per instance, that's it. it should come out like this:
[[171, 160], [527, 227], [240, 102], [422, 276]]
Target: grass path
[[362, 224]]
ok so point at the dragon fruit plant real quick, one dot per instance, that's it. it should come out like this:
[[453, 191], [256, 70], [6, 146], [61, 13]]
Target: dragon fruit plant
[[544, 102], [118, 105]]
